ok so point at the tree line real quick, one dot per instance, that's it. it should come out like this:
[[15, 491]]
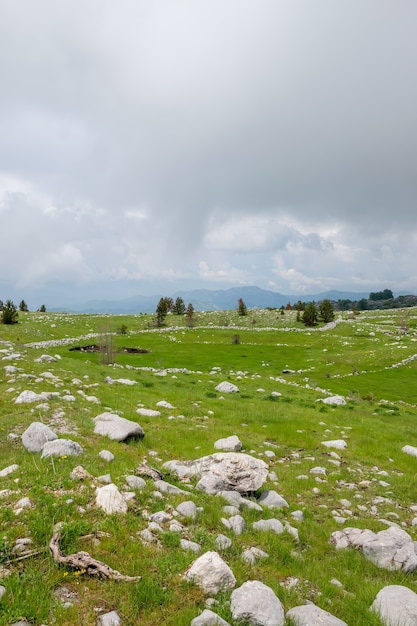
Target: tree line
[[9, 313]]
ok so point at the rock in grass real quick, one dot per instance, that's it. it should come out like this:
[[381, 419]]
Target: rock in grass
[[392, 549], [110, 499], [339, 444], [2, 592], [8, 470], [226, 387], [211, 574], [334, 400], [272, 500], [269, 524], [396, 605], [229, 444], [36, 435], [411, 450], [309, 614], [61, 447], [208, 618], [109, 619], [223, 471], [117, 428], [256, 603]]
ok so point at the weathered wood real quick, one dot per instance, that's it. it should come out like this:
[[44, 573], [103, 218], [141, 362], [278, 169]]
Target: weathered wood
[[83, 561]]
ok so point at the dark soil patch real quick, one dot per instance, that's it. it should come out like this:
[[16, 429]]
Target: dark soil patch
[[95, 348]]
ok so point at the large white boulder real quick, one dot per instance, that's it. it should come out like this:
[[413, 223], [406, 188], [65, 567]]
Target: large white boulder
[[226, 387], [110, 499], [118, 428], [396, 606], [309, 614], [36, 435], [230, 444], [223, 471], [255, 603], [61, 447], [211, 574]]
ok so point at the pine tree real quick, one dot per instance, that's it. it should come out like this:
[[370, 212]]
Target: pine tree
[[241, 307], [23, 306], [189, 318], [179, 307], [310, 314], [326, 311], [9, 313]]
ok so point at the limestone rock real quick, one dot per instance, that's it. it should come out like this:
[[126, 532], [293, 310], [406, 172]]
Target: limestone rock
[[411, 450], [223, 471], [110, 499], [269, 524], [211, 574], [208, 618], [116, 427], [61, 447], [256, 604], [188, 509], [229, 444], [226, 387], [272, 500], [396, 605], [36, 435], [309, 614], [338, 444], [8, 470], [336, 400], [148, 412], [109, 619]]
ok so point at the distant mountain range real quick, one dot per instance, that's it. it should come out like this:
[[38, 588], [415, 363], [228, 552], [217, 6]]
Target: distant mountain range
[[210, 300]]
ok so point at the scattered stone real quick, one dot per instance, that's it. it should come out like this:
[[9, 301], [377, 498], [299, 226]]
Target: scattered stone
[[339, 444], [167, 488], [211, 574], [117, 428], [2, 592], [255, 603], [223, 471], [237, 524], [336, 400], [269, 524], [36, 435], [229, 444], [106, 455], [396, 605], [188, 510], [411, 450], [110, 499], [272, 500], [164, 404], [190, 545], [251, 555], [391, 549], [8, 470], [223, 542], [61, 447], [109, 619], [80, 473], [208, 618], [226, 387], [148, 412], [135, 482], [310, 614]]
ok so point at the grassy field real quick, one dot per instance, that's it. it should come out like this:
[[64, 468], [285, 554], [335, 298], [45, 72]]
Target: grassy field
[[368, 359]]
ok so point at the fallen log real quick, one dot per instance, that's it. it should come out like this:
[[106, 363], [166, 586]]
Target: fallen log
[[82, 561]]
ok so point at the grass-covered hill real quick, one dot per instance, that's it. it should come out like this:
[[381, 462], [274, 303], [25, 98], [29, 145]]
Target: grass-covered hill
[[282, 370]]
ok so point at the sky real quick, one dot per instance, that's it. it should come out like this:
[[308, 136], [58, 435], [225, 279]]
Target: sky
[[152, 146]]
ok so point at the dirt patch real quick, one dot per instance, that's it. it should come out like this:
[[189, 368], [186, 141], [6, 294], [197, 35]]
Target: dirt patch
[[95, 348]]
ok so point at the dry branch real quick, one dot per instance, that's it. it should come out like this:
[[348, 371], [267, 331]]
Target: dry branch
[[83, 561]]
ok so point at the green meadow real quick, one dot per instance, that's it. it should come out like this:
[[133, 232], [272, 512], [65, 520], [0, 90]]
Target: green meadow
[[282, 370]]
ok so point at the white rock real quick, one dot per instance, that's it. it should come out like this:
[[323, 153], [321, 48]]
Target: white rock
[[256, 604], [164, 404], [396, 606], [61, 447], [106, 455], [208, 618], [411, 450], [109, 619], [165, 487], [223, 471], [223, 542], [148, 412], [272, 500], [190, 545], [110, 499], [117, 428], [8, 470], [188, 510], [309, 614], [226, 387], [251, 555], [230, 444], [339, 444], [269, 524], [337, 400], [211, 574], [237, 524]]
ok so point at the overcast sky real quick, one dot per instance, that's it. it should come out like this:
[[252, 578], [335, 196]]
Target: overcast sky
[[150, 146]]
